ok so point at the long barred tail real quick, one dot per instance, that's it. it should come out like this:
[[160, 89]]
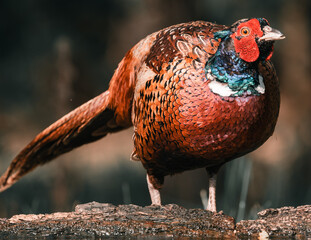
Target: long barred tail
[[87, 123]]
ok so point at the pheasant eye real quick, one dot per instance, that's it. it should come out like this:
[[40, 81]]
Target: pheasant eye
[[245, 31]]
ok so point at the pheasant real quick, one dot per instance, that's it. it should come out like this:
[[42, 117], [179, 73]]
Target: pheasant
[[198, 95]]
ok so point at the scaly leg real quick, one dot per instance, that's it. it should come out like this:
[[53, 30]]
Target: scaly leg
[[154, 193], [211, 206]]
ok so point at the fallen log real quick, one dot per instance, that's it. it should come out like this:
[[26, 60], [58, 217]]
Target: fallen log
[[169, 221]]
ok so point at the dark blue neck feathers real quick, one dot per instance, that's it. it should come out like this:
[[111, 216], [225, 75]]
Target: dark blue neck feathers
[[226, 67]]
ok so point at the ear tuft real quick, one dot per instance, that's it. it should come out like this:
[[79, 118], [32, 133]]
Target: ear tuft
[[222, 34]]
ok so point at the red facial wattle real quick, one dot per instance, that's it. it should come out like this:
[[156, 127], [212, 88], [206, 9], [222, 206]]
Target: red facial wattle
[[246, 46]]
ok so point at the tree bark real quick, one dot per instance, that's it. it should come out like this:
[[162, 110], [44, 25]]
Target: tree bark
[[169, 221]]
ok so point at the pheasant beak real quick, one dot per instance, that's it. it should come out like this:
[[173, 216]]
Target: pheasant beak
[[271, 34]]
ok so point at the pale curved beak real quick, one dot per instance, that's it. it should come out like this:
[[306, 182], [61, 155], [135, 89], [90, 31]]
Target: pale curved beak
[[271, 34]]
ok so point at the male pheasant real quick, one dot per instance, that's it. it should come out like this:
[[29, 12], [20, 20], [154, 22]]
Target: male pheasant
[[198, 95]]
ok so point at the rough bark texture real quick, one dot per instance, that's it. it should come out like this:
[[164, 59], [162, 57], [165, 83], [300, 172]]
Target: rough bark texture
[[97, 220]]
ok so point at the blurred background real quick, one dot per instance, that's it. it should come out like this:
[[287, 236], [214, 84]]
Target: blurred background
[[55, 55]]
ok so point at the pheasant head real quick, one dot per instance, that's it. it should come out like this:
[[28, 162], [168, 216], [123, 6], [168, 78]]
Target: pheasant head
[[253, 39], [242, 46]]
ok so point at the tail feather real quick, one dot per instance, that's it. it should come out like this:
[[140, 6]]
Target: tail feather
[[87, 123], [108, 112]]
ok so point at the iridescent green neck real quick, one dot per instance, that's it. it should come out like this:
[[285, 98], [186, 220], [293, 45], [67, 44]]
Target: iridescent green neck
[[228, 70]]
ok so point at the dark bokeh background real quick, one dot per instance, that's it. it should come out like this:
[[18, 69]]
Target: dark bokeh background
[[55, 55]]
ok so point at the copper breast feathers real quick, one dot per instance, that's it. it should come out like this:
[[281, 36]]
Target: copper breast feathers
[[179, 123]]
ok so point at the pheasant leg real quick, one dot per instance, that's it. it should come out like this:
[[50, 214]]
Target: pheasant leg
[[154, 193], [211, 206]]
